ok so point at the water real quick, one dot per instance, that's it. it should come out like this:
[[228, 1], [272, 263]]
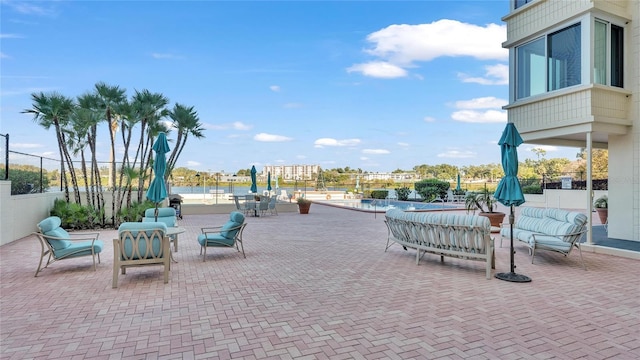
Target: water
[[384, 205]]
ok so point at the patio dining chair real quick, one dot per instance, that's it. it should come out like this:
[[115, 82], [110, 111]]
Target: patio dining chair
[[272, 205], [228, 235], [58, 244]]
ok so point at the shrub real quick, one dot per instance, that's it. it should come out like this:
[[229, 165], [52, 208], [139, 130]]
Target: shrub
[[532, 189], [403, 193], [431, 189], [75, 216], [379, 194]]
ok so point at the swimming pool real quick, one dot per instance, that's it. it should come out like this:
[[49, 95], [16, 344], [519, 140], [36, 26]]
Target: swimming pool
[[382, 205]]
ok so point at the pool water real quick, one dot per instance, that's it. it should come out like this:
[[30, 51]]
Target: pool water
[[382, 205]]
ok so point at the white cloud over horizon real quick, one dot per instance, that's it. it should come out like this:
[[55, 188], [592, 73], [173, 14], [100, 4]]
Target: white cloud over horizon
[[264, 137], [398, 47], [322, 142]]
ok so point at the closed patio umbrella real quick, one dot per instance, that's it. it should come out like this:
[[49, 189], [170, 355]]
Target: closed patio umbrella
[[458, 188], [157, 191], [254, 186], [269, 182], [509, 191]]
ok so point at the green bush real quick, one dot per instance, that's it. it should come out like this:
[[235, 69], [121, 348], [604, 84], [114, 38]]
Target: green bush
[[431, 189], [379, 194], [75, 216], [26, 182], [403, 193], [135, 212], [532, 189]]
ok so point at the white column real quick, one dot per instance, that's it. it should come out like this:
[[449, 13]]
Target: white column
[[589, 191]]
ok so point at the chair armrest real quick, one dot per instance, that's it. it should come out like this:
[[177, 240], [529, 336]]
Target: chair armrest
[[210, 229], [74, 236]]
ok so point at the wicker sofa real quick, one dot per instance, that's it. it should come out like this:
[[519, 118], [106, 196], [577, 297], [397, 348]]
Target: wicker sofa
[[460, 236], [548, 229]]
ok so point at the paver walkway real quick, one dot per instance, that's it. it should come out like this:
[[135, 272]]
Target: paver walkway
[[317, 286]]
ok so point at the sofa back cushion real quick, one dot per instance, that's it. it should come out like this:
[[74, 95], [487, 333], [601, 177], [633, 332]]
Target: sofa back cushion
[[166, 215], [550, 221], [141, 240]]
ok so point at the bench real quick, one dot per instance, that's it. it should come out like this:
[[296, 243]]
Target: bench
[[548, 229], [453, 235]]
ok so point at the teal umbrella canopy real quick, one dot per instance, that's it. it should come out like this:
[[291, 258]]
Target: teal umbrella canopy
[[269, 181], [458, 185], [254, 186], [509, 191], [157, 189]]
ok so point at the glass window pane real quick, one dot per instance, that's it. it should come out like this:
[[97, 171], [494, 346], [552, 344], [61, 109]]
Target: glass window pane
[[530, 70], [563, 48], [617, 50], [600, 53]]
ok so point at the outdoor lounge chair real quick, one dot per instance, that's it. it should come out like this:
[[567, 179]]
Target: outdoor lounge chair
[[58, 244], [227, 235], [140, 244]]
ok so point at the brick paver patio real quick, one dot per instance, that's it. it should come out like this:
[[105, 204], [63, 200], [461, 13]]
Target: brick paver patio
[[317, 286]]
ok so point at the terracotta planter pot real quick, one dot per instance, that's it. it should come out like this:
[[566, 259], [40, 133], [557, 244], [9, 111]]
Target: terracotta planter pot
[[304, 208], [603, 214], [495, 218]]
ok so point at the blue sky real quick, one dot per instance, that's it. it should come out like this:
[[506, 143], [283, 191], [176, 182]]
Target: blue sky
[[364, 84]]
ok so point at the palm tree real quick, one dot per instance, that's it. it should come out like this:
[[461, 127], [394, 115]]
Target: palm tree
[[54, 109], [111, 97], [186, 120]]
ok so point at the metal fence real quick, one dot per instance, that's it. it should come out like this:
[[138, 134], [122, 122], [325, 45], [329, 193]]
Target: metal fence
[[4, 155]]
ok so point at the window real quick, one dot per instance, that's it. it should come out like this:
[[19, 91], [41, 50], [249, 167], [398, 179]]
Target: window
[[608, 54], [519, 3], [549, 63], [563, 52], [531, 69]]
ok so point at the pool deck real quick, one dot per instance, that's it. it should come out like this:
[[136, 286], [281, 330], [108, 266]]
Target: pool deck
[[317, 286]]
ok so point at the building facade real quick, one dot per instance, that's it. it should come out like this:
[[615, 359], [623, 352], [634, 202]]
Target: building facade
[[574, 81], [292, 172]]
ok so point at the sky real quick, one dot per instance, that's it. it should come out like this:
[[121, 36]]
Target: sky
[[375, 85]]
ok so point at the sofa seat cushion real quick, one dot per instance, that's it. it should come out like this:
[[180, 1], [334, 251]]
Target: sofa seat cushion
[[518, 234], [553, 242], [80, 248], [211, 239]]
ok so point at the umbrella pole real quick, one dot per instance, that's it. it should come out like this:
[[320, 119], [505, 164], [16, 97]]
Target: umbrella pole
[[155, 213], [512, 276]]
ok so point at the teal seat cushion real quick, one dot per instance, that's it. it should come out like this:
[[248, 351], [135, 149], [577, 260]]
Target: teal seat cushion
[[551, 242], [214, 240], [165, 215], [80, 248]]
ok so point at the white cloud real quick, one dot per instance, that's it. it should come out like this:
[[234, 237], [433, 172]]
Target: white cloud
[[472, 116], [494, 75], [470, 110], [405, 44], [3, 55], [11, 36], [26, 146], [236, 125], [403, 144], [274, 88], [292, 106], [375, 151], [429, 119], [398, 47], [192, 163], [488, 102], [264, 137], [166, 56], [322, 142], [364, 158], [456, 154], [379, 69]]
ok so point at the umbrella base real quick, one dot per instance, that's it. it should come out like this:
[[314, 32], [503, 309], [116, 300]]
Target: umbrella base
[[513, 277]]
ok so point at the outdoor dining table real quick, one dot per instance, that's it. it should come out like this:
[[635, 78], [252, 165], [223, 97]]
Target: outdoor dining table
[[173, 232]]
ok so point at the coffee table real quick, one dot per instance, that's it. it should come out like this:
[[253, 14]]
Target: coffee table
[[172, 233]]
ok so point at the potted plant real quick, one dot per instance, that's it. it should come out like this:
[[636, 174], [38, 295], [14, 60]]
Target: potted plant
[[602, 207], [303, 205], [486, 203]]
